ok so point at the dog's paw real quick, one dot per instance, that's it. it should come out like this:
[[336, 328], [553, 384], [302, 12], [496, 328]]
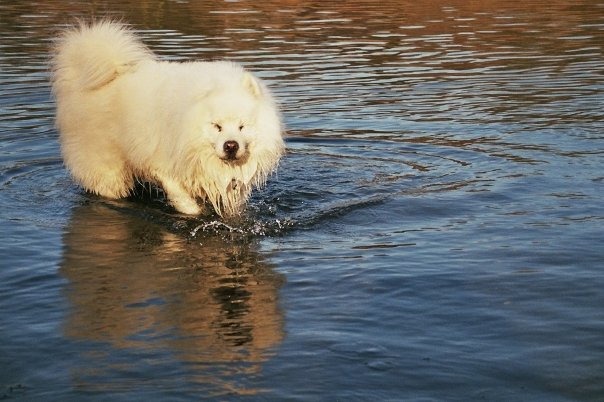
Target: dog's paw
[[186, 206]]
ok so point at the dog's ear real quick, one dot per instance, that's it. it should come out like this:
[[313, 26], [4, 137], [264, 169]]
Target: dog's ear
[[251, 84]]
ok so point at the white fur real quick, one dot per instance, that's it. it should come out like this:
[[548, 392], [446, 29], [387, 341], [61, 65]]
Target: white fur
[[125, 115]]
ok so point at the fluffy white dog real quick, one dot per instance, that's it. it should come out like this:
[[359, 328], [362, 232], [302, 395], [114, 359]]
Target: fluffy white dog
[[200, 130]]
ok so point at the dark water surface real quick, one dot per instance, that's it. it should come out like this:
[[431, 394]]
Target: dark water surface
[[434, 233]]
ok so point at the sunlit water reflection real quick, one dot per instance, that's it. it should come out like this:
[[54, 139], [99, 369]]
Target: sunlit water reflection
[[434, 232]]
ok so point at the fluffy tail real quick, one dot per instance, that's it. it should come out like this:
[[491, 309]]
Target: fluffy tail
[[90, 56]]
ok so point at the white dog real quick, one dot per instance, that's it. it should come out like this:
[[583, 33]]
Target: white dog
[[200, 130]]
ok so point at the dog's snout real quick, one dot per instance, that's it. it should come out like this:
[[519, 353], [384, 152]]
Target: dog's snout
[[230, 149]]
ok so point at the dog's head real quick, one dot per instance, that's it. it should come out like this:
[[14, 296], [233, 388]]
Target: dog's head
[[237, 142]]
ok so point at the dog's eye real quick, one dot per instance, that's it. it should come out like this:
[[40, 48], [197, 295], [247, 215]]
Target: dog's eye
[[217, 127], [240, 127]]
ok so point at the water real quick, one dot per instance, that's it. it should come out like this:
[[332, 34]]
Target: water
[[434, 233]]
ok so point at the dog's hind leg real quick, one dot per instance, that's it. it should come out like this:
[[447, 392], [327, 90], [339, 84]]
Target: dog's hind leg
[[102, 173]]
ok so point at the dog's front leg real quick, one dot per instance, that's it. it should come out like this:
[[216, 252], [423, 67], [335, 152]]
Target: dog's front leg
[[179, 197]]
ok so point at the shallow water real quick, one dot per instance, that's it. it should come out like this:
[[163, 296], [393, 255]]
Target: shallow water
[[434, 233]]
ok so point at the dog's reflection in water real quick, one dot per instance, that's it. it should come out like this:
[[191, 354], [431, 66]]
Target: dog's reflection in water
[[135, 285]]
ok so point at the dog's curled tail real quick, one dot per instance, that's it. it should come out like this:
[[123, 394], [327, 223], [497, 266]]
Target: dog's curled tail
[[92, 55]]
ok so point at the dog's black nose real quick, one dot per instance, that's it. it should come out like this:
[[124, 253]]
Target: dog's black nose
[[230, 149]]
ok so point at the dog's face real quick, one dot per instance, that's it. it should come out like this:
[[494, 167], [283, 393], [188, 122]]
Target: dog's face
[[230, 124], [232, 139], [234, 143]]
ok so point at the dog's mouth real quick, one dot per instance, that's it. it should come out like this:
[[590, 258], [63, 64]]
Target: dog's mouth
[[235, 161]]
